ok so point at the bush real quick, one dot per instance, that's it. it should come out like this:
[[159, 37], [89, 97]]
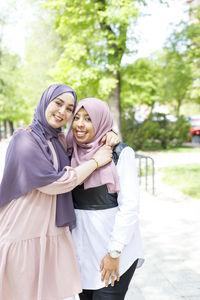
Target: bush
[[156, 132]]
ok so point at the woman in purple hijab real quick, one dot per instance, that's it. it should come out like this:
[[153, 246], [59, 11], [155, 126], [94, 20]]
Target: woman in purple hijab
[[36, 211]]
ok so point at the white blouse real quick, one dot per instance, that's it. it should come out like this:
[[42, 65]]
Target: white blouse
[[99, 231]]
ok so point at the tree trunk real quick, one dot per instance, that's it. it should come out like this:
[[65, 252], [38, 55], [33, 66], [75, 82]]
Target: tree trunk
[[179, 103], [5, 133], [115, 107], [11, 127]]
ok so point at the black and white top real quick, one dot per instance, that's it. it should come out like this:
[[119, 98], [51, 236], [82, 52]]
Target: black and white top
[[99, 231]]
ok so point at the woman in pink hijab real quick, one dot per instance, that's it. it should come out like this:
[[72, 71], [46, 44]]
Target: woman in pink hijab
[[107, 237]]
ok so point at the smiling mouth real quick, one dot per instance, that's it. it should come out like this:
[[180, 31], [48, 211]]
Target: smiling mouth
[[80, 133], [58, 118]]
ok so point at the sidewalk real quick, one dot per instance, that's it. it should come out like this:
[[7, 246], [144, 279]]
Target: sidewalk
[[171, 237], [170, 227]]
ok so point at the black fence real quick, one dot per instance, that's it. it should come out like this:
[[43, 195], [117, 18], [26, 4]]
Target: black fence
[[146, 170]]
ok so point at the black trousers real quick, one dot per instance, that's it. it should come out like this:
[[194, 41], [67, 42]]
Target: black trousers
[[117, 292]]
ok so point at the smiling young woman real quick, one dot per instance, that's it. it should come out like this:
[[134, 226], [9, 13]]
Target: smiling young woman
[[82, 127], [36, 209], [107, 236], [60, 110]]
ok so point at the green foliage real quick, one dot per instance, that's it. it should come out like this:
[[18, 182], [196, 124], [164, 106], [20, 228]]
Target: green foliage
[[190, 37], [12, 106], [141, 82], [177, 75], [94, 39], [24, 81], [182, 63], [82, 44], [184, 178], [154, 133], [42, 53]]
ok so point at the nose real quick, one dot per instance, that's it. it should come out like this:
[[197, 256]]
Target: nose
[[62, 110], [80, 122]]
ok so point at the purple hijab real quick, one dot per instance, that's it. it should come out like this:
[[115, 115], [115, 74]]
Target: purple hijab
[[29, 160]]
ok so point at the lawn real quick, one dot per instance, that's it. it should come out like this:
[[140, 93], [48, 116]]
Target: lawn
[[185, 178], [182, 149]]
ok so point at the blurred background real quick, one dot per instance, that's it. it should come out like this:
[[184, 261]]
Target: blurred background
[[143, 58]]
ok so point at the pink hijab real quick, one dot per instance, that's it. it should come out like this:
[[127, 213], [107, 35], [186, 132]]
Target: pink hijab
[[102, 121]]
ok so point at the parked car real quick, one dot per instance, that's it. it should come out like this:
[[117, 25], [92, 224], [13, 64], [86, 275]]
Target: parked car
[[195, 129]]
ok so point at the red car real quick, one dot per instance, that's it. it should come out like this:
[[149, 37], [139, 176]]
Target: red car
[[195, 130]]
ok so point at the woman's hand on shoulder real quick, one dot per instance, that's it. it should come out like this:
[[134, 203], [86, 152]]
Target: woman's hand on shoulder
[[109, 268], [103, 156], [111, 139], [24, 127]]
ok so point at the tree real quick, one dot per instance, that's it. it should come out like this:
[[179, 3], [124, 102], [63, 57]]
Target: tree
[[95, 35], [181, 64], [141, 82], [42, 50], [191, 35], [177, 79], [23, 80], [12, 106]]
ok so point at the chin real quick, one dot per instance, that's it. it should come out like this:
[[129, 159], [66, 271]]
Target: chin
[[81, 141], [55, 126]]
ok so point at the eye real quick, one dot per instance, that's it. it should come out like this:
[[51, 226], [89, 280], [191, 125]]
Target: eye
[[69, 109], [88, 119], [76, 118], [58, 103]]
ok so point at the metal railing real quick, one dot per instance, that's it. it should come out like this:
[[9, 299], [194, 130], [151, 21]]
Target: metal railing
[[145, 167]]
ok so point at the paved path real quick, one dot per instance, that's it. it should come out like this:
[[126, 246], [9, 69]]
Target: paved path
[[171, 236], [170, 226]]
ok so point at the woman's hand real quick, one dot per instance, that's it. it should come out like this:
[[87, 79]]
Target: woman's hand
[[103, 155], [24, 127], [100, 158], [110, 139], [109, 268]]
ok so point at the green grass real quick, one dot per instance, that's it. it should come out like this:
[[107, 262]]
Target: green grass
[[182, 149], [185, 178]]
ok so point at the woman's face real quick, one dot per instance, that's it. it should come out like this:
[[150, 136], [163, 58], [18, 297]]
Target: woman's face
[[82, 127], [59, 111]]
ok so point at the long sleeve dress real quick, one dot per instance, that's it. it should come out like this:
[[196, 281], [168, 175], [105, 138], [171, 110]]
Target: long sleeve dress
[[37, 259]]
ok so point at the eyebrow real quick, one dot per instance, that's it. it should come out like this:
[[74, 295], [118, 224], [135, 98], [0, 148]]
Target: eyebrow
[[85, 114], [63, 101]]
